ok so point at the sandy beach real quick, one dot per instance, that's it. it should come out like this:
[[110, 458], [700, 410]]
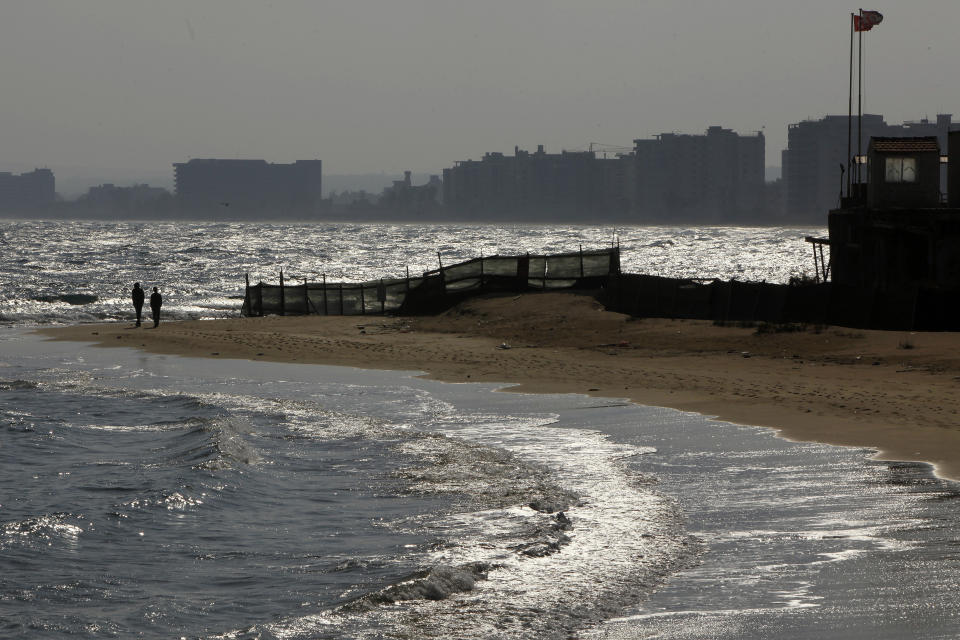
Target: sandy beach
[[896, 392]]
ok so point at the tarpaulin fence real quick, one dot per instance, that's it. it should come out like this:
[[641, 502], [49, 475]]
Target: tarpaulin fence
[[328, 298], [434, 289], [824, 303], [658, 297], [906, 308]]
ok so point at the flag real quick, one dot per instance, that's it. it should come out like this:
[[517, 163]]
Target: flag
[[867, 20]]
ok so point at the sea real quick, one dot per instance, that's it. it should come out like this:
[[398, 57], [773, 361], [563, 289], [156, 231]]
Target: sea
[[157, 496]]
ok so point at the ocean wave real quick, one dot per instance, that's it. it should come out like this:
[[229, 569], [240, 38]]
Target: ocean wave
[[618, 540], [44, 529], [547, 532], [489, 477], [435, 583], [70, 298], [18, 385], [563, 532], [212, 444], [169, 500], [660, 244], [171, 411]]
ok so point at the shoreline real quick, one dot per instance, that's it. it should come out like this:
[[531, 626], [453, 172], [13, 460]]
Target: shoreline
[[895, 392]]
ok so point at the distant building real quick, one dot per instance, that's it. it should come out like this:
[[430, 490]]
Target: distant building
[[27, 191], [717, 177], [569, 185], [773, 205], [135, 200], [351, 198], [405, 197], [817, 149], [615, 185], [228, 187]]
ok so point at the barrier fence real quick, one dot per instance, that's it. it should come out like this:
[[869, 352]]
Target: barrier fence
[[823, 303], [434, 289], [722, 301], [633, 294]]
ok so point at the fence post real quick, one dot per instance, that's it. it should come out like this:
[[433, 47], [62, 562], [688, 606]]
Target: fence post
[[728, 301], [306, 297], [246, 295], [481, 271], [260, 297], [443, 280], [619, 288], [341, 298], [523, 272], [325, 312], [757, 300], [283, 306], [363, 301], [382, 296], [581, 260]]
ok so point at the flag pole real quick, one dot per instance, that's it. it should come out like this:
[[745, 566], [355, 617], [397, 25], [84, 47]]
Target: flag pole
[[850, 108], [859, 95]]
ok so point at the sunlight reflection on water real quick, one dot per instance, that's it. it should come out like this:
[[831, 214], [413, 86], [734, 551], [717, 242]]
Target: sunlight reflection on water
[[55, 268]]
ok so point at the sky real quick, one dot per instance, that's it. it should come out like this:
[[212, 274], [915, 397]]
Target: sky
[[125, 88]]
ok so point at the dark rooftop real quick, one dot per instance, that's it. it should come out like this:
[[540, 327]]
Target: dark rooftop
[[905, 145]]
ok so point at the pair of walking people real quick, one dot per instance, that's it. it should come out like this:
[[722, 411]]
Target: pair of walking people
[[156, 301]]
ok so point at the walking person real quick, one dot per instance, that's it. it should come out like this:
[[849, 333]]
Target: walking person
[[156, 301], [137, 295]]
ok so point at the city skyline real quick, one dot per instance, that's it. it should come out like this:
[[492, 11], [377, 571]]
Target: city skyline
[[384, 87], [717, 176], [80, 179]]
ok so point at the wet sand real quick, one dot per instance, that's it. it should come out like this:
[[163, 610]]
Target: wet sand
[[896, 392]]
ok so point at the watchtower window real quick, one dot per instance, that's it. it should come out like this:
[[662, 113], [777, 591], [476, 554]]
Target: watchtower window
[[901, 169]]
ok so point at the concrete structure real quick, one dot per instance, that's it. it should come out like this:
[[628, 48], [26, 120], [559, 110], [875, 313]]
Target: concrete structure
[[903, 173], [898, 249], [953, 172], [27, 191], [816, 150], [717, 177], [248, 187]]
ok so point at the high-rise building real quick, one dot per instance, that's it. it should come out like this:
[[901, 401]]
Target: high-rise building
[[27, 191], [135, 200], [248, 186], [539, 185], [716, 177], [817, 150]]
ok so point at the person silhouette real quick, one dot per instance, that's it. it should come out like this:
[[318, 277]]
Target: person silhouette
[[156, 301], [137, 295]]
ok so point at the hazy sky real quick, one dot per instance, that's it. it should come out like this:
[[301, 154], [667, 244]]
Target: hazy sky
[[416, 84]]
